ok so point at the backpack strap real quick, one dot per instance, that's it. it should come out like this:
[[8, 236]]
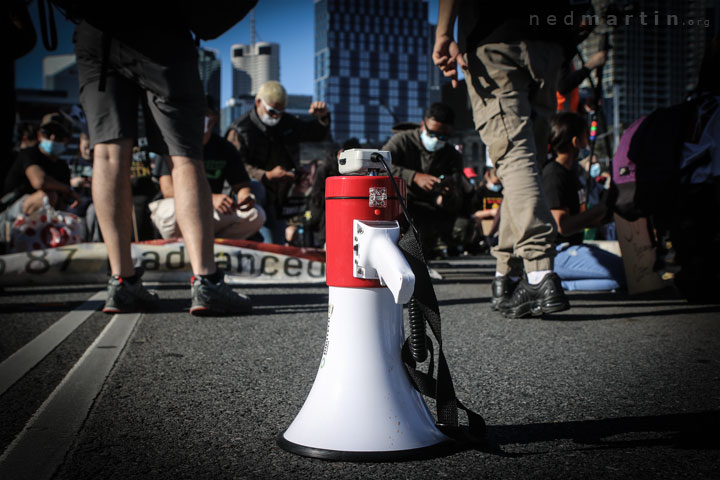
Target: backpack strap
[[47, 21]]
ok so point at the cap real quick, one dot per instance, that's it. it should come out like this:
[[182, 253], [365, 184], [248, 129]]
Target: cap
[[57, 124], [470, 172]]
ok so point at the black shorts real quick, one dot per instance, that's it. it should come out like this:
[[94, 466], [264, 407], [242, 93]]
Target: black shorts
[[154, 68]]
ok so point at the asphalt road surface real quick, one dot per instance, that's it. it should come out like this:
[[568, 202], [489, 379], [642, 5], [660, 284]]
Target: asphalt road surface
[[618, 387]]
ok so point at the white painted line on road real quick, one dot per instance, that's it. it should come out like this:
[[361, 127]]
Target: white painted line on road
[[40, 449], [19, 363]]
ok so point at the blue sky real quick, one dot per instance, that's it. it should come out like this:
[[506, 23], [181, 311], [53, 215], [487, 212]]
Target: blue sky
[[289, 23]]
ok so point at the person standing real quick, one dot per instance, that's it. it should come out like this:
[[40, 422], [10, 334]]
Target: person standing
[[511, 68], [151, 58]]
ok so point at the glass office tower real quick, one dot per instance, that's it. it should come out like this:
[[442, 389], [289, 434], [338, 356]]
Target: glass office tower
[[371, 64]]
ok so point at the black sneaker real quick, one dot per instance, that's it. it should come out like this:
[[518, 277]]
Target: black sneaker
[[125, 297], [545, 297], [210, 298], [502, 288]]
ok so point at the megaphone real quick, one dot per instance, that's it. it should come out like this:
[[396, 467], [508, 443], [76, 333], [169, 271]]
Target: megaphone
[[362, 405]]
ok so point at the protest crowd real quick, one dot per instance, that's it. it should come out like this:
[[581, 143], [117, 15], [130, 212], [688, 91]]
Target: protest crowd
[[540, 197]]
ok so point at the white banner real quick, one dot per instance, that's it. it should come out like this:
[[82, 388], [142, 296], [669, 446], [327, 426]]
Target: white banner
[[244, 262]]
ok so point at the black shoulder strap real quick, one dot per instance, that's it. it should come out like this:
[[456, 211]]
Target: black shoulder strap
[[47, 20], [440, 389]]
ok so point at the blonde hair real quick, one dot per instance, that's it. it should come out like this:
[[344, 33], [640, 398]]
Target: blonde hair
[[272, 92]]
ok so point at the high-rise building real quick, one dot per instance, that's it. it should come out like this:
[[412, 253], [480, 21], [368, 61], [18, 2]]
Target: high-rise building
[[436, 80], [254, 65], [60, 73], [656, 52], [371, 64], [209, 66]]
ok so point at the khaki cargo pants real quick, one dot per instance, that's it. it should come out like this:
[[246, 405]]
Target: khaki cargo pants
[[512, 90]]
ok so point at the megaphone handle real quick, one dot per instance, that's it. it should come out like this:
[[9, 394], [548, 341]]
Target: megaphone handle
[[418, 335]]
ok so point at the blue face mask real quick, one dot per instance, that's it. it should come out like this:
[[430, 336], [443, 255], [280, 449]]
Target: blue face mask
[[52, 148], [595, 170], [584, 152], [494, 187], [431, 144]]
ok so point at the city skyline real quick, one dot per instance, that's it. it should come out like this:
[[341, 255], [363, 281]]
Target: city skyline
[[369, 65], [292, 29]]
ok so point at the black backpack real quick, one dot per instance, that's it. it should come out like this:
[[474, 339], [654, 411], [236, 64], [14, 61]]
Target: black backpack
[[207, 19]]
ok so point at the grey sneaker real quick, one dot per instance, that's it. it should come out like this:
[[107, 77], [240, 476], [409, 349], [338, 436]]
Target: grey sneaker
[[216, 298], [124, 297]]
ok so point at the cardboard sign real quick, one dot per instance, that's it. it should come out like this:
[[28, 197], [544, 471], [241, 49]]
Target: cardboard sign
[[638, 254]]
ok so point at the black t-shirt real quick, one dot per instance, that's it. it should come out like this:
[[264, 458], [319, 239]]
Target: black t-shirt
[[16, 179], [141, 181], [563, 190], [222, 162], [485, 199]]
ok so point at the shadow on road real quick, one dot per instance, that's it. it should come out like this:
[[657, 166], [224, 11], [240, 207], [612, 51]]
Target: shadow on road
[[263, 304], [572, 316], [51, 306], [697, 431]]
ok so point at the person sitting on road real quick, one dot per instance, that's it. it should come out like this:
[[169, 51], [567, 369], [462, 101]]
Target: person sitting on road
[[487, 197], [579, 266], [234, 218], [38, 174], [269, 141], [432, 169]]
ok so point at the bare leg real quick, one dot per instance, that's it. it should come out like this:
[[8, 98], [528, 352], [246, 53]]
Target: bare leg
[[113, 202], [194, 212]]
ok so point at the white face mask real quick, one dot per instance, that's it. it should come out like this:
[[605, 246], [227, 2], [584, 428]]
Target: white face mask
[[431, 144], [266, 118]]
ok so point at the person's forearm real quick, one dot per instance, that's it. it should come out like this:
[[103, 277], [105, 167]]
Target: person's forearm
[[572, 80], [570, 224], [50, 184], [447, 11], [406, 174], [256, 173], [485, 214]]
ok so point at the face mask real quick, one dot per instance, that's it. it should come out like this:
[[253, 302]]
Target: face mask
[[584, 152], [52, 148], [595, 170], [268, 120], [431, 144], [494, 187]]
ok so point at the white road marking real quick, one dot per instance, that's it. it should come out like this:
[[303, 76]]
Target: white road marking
[[19, 363], [40, 449]]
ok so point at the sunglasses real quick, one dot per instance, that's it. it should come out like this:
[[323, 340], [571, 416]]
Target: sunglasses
[[274, 112], [440, 136]]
